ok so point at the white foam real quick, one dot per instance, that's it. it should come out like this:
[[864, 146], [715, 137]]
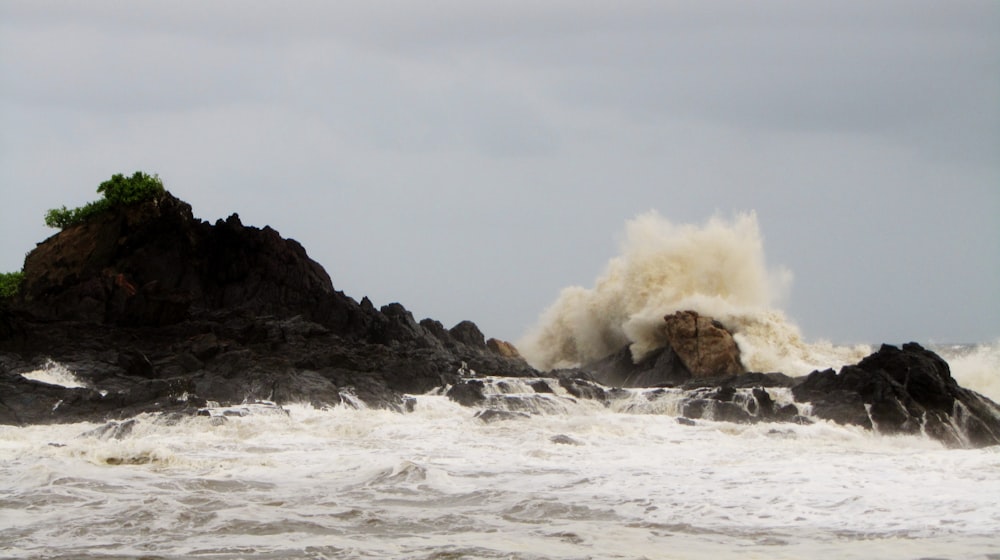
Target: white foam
[[370, 483], [717, 269], [975, 367], [55, 373]]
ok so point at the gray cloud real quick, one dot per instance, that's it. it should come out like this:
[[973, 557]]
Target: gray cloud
[[470, 160]]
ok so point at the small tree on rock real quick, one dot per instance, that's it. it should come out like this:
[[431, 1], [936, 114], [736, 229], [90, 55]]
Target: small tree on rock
[[117, 191]]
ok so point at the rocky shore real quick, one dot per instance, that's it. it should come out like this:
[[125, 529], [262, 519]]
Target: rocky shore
[[154, 310]]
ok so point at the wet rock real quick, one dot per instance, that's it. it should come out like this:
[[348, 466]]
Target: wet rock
[[703, 345], [491, 415], [903, 390], [112, 430], [563, 439], [467, 393], [502, 348], [541, 386], [583, 389]]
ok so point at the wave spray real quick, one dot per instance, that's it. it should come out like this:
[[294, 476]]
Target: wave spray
[[717, 269]]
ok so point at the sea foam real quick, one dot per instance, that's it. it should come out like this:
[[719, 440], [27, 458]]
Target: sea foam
[[717, 269]]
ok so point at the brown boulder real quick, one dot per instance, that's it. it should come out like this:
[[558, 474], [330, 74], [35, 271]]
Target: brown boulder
[[703, 344], [502, 348]]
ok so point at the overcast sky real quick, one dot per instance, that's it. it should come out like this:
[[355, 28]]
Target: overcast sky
[[470, 159]]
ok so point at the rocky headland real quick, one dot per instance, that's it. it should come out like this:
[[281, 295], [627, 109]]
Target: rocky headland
[[154, 310]]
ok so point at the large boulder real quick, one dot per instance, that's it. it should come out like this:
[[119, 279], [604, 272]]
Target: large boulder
[[698, 347], [705, 347], [906, 390]]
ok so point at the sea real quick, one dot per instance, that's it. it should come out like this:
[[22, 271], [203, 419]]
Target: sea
[[559, 479]]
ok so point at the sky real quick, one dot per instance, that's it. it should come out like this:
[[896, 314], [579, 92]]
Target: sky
[[471, 159]]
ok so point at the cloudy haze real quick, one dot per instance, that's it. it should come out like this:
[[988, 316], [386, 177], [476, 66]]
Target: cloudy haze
[[469, 160]]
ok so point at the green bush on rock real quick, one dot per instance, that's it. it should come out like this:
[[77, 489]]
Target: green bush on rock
[[117, 191], [10, 284]]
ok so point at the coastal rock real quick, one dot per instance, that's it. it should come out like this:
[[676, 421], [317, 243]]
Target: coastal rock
[[157, 311], [702, 344], [502, 348], [906, 390], [661, 367], [469, 334], [153, 264], [154, 311], [698, 347]]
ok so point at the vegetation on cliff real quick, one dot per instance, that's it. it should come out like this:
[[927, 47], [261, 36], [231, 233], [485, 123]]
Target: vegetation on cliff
[[117, 191], [10, 283]]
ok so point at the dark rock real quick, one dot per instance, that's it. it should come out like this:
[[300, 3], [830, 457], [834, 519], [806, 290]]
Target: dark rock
[[158, 311], [541, 386], [658, 368], [469, 334], [136, 364], [563, 439], [583, 389], [467, 393], [908, 390], [686, 421], [491, 415]]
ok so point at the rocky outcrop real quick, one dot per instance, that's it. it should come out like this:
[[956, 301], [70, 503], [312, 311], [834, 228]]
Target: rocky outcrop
[[906, 390], [154, 264], [154, 310], [697, 347], [502, 348], [702, 344]]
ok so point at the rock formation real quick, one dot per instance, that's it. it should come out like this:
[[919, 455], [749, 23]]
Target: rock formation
[[903, 390], [703, 345], [697, 347], [156, 311]]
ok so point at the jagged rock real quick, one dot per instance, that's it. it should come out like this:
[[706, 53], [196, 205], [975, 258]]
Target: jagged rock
[[907, 390], [702, 344], [159, 311], [469, 334], [153, 263], [661, 367], [155, 311]]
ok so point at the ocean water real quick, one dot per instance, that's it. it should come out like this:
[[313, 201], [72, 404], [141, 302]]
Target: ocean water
[[567, 480], [572, 480]]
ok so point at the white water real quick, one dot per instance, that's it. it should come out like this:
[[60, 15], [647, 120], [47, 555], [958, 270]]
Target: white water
[[974, 366], [586, 482], [717, 269], [55, 373]]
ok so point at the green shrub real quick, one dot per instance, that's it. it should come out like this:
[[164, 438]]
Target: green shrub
[[117, 191], [10, 283]]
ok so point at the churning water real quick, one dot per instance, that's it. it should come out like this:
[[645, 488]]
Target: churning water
[[573, 480]]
